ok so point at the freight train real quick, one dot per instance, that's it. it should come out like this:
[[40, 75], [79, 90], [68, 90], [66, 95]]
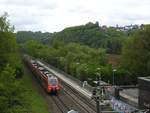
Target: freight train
[[48, 80]]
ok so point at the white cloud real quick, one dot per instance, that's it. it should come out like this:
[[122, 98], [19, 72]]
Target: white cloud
[[55, 15]]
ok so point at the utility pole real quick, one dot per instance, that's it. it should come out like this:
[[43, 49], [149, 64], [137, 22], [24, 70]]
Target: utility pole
[[97, 92], [98, 98]]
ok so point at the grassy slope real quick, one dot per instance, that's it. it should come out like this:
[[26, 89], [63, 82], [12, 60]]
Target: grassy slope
[[38, 104]]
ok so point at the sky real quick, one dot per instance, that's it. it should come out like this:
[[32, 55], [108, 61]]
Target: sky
[[55, 15]]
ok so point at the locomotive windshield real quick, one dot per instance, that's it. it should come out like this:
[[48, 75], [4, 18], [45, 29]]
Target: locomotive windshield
[[52, 81]]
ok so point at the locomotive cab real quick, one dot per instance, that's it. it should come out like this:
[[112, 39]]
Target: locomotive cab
[[53, 81], [53, 86]]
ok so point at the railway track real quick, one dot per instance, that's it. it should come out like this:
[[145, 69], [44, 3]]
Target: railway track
[[84, 105], [63, 102], [71, 100], [90, 103], [60, 104]]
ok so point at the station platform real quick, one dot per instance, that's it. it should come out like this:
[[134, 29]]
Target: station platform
[[70, 82]]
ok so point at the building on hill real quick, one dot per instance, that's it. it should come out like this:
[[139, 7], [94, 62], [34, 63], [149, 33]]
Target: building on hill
[[129, 27]]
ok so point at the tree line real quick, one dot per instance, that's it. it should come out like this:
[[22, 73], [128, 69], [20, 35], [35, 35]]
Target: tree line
[[11, 71], [78, 60], [91, 34], [94, 36], [136, 53], [23, 36]]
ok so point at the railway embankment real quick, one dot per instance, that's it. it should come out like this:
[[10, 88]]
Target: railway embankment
[[33, 94]]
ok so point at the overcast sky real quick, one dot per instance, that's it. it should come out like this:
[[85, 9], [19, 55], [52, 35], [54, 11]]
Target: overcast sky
[[55, 15]]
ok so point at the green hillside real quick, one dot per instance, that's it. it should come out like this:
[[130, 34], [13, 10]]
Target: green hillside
[[90, 34]]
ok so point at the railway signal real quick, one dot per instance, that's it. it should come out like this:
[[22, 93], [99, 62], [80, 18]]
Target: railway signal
[[96, 93], [99, 96]]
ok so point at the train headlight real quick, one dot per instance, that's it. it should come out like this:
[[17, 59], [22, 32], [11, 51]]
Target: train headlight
[[49, 87], [57, 88]]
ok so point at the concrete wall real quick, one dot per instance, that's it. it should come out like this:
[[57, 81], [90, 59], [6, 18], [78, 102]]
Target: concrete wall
[[144, 92]]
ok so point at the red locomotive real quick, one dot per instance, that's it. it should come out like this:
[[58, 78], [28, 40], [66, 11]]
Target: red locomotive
[[47, 79]]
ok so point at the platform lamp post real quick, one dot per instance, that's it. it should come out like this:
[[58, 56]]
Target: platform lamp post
[[99, 72], [77, 64], [114, 70]]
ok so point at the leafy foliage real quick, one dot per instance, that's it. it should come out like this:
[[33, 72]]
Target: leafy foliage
[[94, 36], [23, 36], [136, 53], [4, 24], [11, 90], [78, 60], [11, 98]]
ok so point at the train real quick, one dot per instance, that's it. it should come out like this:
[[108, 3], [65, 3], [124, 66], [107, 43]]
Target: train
[[47, 79]]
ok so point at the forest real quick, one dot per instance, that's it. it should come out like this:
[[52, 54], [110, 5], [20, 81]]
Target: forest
[[91, 34], [82, 50], [11, 87], [17, 94]]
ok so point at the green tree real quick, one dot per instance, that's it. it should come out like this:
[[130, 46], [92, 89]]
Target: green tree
[[136, 53], [11, 98], [94, 36], [4, 24]]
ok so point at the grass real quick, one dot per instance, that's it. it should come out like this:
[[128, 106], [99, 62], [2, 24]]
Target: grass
[[38, 104]]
